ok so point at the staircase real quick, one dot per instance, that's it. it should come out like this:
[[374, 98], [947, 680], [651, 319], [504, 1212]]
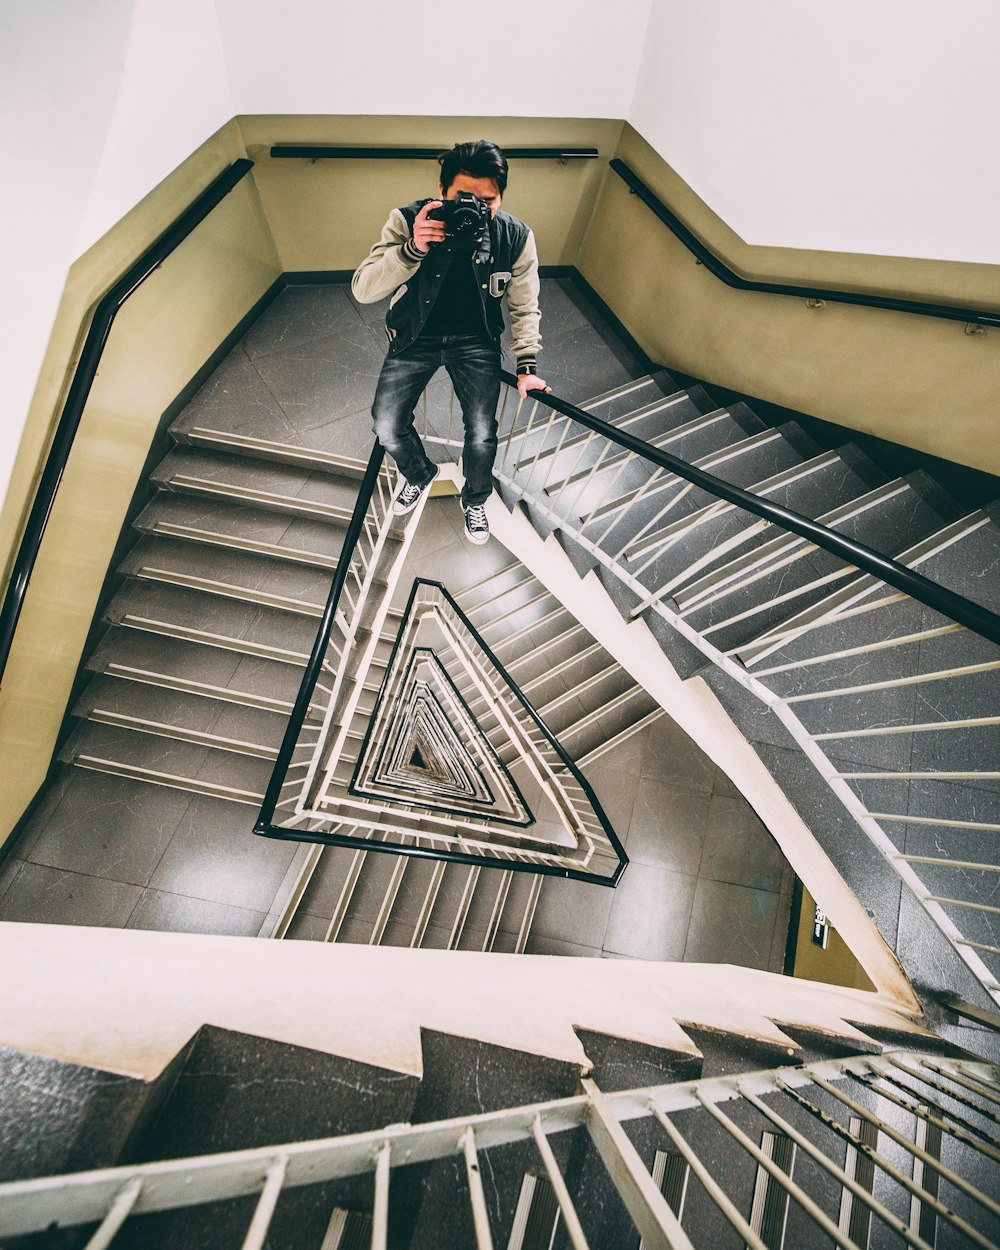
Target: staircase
[[877, 716], [205, 643], [208, 636], [246, 1142]]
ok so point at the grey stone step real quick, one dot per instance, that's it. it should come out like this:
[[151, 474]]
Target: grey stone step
[[959, 697], [612, 405], [184, 665], [744, 463], [58, 1117], [165, 557], [904, 511], [162, 760], [238, 1091], [106, 697], [621, 1064], [217, 619], [824, 485], [273, 487], [198, 430], [463, 1077], [578, 480], [557, 440], [217, 522], [858, 595], [972, 567]]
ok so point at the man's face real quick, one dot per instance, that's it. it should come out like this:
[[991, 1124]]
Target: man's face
[[484, 188]]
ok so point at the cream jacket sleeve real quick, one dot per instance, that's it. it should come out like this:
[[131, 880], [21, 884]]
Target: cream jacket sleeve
[[522, 303], [388, 265]]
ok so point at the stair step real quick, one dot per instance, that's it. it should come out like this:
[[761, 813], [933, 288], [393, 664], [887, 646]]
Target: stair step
[[192, 762], [269, 450], [858, 595], [762, 599], [212, 620], [220, 522], [750, 460], [554, 443], [239, 1091], [186, 666], [282, 488], [250, 572], [689, 439], [621, 400], [58, 1117], [106, 694]]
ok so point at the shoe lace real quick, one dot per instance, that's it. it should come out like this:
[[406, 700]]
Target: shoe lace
[[409, 493], [477, 517]]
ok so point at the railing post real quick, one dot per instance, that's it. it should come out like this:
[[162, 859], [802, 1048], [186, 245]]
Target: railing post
[[659, 1227]]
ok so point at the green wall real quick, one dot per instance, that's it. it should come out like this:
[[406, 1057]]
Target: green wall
[[913, 380]]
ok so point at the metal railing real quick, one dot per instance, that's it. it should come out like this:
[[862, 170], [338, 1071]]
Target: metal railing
[[319, 151], [698, 552], [831, 1152], [85, 372], [718, 267]]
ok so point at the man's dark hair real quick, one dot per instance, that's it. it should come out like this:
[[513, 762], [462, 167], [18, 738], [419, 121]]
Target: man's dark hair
[[481, 159]]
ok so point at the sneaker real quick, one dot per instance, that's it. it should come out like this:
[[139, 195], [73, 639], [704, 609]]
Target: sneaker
[[407, 498], [477, 527]]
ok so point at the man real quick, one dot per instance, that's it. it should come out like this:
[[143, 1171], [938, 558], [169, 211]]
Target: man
[[446, 292]]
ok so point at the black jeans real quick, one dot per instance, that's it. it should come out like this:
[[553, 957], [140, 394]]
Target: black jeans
[[473, 364]]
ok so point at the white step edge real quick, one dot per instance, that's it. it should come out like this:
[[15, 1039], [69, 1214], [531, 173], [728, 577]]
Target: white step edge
[[214, 538], [186, 686], [192, 784], [524, 932], [189, 484], [180, 733], [977, 722], [892, 683], [187, 634], [388, 900], [310, 457], [643, 542], [228, 590]]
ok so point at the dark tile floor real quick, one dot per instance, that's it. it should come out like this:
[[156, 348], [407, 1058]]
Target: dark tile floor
[[706, 882]]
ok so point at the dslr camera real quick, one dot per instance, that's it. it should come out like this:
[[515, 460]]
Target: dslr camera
[[466, 220]]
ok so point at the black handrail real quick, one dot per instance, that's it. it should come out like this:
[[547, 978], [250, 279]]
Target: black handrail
[[921, 308], [955, 606], [318, 152], [265, 826], [80, 386], [314, 667]]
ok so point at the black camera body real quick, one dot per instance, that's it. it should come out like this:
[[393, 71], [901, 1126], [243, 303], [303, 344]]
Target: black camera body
[[466, 221]]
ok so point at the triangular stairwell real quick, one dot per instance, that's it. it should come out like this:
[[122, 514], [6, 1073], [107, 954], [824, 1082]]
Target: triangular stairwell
[[208, 632]]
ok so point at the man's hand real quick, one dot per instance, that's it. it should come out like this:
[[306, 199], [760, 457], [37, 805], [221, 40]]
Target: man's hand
[[427, 232], [531, 382]]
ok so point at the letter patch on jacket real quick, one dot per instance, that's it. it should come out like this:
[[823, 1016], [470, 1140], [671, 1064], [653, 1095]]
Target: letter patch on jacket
[[498, 284]]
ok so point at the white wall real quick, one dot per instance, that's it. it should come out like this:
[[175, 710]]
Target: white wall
[[111, 95], [848, 125], [102, 101], [517, 58]]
